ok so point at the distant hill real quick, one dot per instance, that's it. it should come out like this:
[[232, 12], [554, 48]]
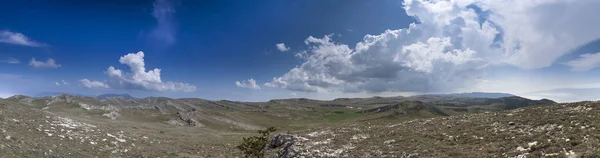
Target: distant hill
[[125, 96], [444, 106], [51, 94], [473, 95]]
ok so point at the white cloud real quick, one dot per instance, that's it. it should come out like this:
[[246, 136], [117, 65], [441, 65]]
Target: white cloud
[[448, 49], [536, 33], [10, 61], [64, 82], [56, 83], [92, 84], [50, 63], [585, 62], [165, 30], [18, 39], [301, 55], [282, 47], [141, 79], [250, 84]]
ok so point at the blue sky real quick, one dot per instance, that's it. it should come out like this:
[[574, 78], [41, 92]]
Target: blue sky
[[256, 51]]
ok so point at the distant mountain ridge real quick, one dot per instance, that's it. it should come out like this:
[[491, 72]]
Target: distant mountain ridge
[[50, 94], [473, 95], [104, 96]]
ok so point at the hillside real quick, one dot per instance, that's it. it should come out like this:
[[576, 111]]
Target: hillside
[[79, 126], [559, 130]]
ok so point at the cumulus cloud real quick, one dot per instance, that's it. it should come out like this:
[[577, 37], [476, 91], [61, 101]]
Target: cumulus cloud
[[65, 82], [92, 84], [56, 83], [250, 84], [450, 47], [282, 47], [139, 78], [18, 39], [584, 62], [536, 33], [165, 30], [301, 54], [10, 61], [50, 63]]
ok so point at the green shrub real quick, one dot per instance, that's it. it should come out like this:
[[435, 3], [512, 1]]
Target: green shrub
[[254, 146]]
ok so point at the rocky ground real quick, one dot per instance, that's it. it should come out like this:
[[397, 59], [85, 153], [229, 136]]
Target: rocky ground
[[31, 128], [32, 132], [561, 130]]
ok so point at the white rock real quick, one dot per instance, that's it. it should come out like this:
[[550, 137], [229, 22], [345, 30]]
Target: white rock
[[551, 154], [389, 141], [520, 148], [532, 144], [359, 137], [571, 154], [120, 140]]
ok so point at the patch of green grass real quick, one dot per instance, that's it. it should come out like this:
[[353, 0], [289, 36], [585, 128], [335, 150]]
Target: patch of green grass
[[341, 117]]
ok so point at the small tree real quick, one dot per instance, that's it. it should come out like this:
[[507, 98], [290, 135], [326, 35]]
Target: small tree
[[254, 146]]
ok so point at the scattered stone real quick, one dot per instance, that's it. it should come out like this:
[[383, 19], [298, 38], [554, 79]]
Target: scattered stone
[[389, 141], [532, 144]]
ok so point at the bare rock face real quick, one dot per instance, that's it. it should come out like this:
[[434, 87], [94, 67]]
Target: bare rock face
[[281, 146], [188, 119]]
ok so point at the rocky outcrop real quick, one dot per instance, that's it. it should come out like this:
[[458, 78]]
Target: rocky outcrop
[[186, 119], [112, 115], [281, 146]]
